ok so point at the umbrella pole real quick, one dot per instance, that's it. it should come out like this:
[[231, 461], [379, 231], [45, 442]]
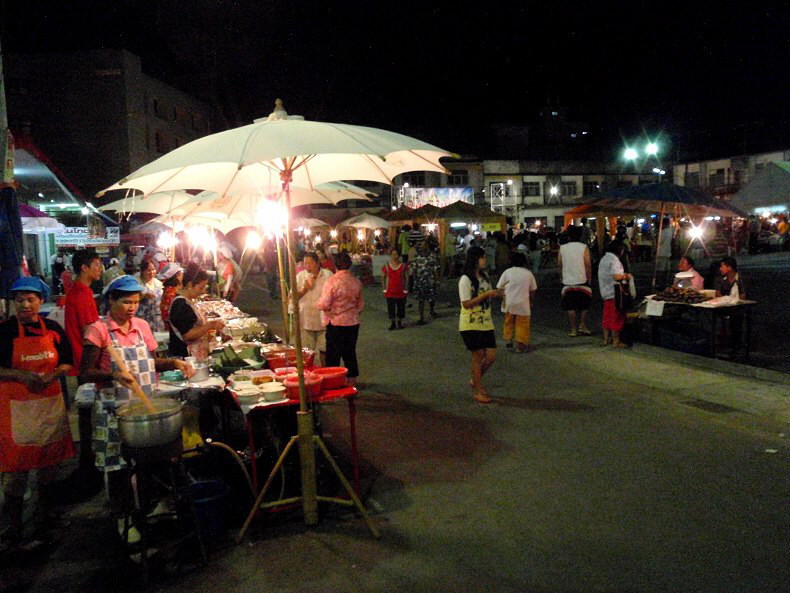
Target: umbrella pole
[[658, 245], [307, 440], [283, 292]]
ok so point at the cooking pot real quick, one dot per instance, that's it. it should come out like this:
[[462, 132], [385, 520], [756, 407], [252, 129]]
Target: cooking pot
[[140, 428]]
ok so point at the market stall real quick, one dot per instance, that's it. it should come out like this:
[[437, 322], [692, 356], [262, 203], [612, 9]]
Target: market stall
[[696, 321]]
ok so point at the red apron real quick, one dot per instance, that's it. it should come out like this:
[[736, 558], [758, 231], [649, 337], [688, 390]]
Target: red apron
[[34, 429]]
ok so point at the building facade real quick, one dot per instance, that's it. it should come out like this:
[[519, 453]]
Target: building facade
[[527, 192], [725, 176], [98, 115]]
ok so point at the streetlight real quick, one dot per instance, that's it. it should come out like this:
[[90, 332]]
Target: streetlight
[[651, 149], [659, 172]]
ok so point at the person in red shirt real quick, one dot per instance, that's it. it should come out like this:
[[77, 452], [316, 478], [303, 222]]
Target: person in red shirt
[[393, 275], [80, 312]]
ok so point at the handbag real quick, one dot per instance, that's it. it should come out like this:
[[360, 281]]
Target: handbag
[[623, 301]]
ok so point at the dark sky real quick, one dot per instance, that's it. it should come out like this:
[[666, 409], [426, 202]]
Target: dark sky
[[695, 71]]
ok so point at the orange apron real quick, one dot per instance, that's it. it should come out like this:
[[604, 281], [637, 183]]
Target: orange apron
[[34, 430]]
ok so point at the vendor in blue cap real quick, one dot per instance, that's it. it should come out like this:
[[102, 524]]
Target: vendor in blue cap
[[34, 430], [132, 338]]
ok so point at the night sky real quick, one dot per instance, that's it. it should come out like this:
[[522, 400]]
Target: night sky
[[705, 74]]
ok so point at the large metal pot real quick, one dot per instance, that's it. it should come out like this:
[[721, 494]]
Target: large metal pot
[[139, 428]]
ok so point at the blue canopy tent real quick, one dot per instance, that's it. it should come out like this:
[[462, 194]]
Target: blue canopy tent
[[663, 198]]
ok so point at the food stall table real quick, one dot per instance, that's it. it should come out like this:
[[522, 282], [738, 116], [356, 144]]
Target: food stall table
[[711, 311], [347, 393]]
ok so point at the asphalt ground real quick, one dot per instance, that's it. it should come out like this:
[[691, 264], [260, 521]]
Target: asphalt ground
[[593, 470]]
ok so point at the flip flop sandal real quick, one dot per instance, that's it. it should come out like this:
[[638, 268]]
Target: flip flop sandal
[[482, 398], [585, 332]]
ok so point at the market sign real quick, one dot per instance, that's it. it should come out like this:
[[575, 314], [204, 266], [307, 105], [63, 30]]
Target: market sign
[[491, 227], [94, 236]]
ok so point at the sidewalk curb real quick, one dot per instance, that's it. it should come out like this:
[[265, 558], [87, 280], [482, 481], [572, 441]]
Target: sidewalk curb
[[713, 364]]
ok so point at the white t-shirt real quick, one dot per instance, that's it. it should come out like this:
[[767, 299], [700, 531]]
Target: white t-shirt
[[665, 249], [608, 266], [573, 270], [518, 282], [309, 315]]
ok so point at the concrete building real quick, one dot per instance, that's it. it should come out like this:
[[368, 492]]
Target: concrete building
[[97, 114], [526, 191], [723, 177]]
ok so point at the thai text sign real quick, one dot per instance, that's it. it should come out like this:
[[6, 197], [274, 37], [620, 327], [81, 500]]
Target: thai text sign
[[81, 236]]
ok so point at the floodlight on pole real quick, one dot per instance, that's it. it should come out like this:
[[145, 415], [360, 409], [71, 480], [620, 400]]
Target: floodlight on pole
[[630, 154], [651, 149]]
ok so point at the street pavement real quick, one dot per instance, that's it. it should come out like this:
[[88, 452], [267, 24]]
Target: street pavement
[[593, 470]]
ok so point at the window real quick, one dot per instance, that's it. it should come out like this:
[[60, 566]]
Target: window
[[416, 179], [590, 187], [459, 177], [159, 109], [716, 178], [531, 188], [759, 166], [568, 188], [691, 180], [161, 143]]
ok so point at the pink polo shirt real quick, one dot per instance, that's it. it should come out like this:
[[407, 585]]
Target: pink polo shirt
[[96, 334], [341, 299]]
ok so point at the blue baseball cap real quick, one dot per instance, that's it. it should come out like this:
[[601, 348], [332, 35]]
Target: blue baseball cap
[[124, 284], [31, 284]]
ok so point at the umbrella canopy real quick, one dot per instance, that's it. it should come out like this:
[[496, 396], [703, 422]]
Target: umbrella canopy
[[245, 205], [656, 197], [253, 158], [308, 223], [151, 227], [156, 203], [404, 213], [366, 221], [768, 190], [34, 221], [469, 213]]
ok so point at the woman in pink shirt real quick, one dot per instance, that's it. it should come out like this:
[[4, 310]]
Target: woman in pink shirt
[[132, 339], [341, 303]]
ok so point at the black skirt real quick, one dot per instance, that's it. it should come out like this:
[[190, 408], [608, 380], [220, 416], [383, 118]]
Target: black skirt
[[478, 340]]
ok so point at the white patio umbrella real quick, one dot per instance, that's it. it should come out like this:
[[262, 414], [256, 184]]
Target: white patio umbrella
[[284, 149], [245, 204], [366, 221], [156, 203], [307, 223], [276, 152]]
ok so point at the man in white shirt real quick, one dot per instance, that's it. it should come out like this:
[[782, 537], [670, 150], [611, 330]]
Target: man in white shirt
[[309, 284], [664, 250], [576, 274]]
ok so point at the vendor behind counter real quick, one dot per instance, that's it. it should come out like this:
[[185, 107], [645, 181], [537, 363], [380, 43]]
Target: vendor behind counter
[[189, 329]]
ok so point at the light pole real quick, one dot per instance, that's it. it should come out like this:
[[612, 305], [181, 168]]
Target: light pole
[[659, 173]]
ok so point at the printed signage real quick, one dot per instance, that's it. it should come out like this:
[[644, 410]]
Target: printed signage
[[82, 236]]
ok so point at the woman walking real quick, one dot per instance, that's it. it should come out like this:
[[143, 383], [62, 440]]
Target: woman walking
[[520, 286], [610, 272], [394, 276], [341, 301], [475, 323]]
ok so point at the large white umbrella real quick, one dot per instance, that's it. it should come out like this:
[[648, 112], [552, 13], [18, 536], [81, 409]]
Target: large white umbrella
[[281, 152], [366, 221], [282, 148], [307, 223], [156, 203], [245, 205]]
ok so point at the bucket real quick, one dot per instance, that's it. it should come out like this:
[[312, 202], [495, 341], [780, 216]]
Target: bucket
[[208, 496]]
